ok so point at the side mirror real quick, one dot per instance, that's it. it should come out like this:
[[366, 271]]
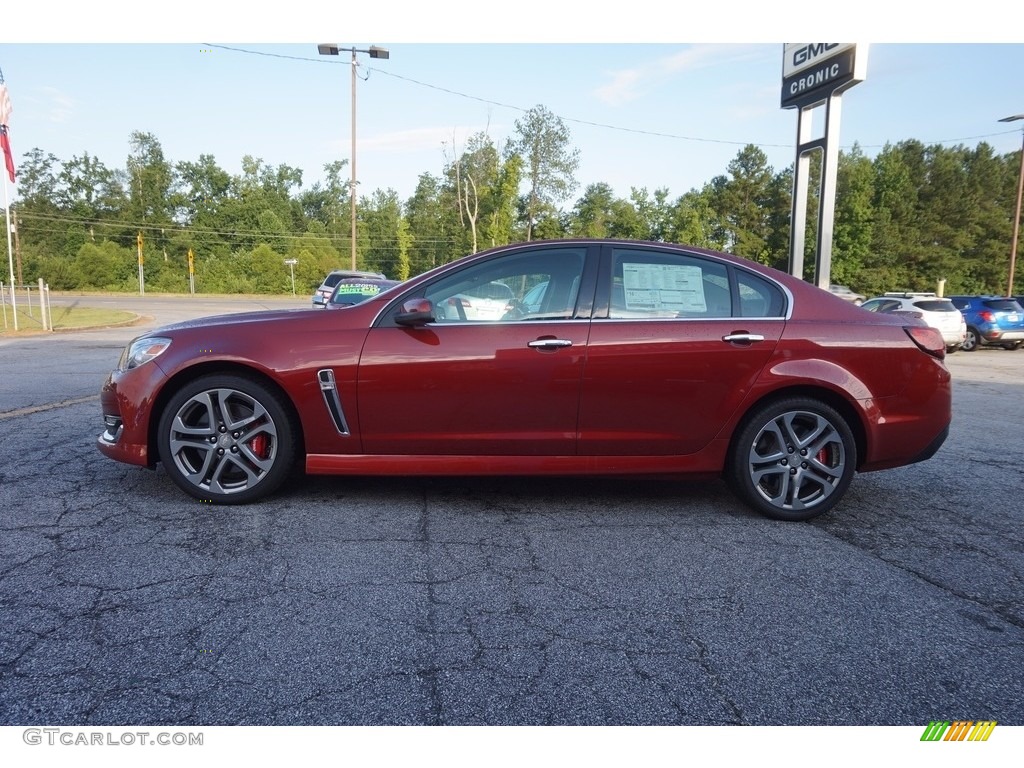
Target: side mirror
[[416, 312]]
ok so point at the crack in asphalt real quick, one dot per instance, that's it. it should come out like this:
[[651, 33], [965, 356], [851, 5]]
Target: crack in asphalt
[[370, 601], [29, 410]]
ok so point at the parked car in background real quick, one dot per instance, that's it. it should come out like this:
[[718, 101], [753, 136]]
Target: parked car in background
[[645, 359], [354, 290], [489, 301], [323, 293], [992, 321], [846, 294], [939, 313]]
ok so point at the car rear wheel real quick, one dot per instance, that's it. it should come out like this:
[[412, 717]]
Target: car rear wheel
[[971, 341], [226, 439], [792, 459]]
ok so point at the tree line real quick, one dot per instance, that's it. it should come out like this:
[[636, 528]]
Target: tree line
[[904, 219]]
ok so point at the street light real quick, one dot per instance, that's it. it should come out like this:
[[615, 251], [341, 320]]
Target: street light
[[1016, 217], [331, 49]]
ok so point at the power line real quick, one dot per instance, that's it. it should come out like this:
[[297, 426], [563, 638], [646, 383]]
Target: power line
[[172, 230], [607, 126]]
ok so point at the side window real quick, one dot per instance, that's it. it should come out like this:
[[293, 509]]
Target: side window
[[659, 284], [759, 297], [537, 285]]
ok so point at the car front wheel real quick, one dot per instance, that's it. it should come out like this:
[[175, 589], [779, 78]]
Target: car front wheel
[[792, 459], [226, 439]]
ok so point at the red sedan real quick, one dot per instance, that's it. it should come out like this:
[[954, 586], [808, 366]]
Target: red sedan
[[628, 358]]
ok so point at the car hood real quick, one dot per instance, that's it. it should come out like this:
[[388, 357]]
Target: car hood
[[238, 318]]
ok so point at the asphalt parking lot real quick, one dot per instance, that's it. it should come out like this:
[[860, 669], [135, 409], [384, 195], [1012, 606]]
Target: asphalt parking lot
[[499, 602]]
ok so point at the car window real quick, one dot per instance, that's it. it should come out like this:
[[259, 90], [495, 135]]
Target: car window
[[542, 284], [1003, 305], [935, 305], [758, 297], [658, 284], [882, 305]]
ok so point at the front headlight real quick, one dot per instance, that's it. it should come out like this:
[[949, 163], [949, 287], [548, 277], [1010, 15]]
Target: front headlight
[[142, 351]]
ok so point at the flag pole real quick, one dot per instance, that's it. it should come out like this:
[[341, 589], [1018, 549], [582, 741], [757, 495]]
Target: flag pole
[[5, 111], [10, 253]]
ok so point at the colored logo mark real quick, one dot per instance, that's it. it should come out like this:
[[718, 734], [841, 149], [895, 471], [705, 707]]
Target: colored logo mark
[[958, 730]]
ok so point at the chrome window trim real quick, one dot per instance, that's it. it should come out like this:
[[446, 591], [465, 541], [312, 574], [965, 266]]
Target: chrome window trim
[[733, 320]]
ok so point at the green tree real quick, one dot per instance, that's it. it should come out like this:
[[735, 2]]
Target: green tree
[[549, 162], [592, 214], [382, 248], [854, 217], [742, 201], [433, 222], [150, 178]]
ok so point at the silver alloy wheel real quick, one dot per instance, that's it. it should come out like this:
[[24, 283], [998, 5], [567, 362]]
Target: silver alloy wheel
[[797, 460], [970, 341], [223, 441]]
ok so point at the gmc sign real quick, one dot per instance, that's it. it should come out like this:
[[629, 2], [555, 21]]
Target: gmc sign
[[812, 71]]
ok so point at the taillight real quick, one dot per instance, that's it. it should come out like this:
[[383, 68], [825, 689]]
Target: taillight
[[928, 340], [986, 316]]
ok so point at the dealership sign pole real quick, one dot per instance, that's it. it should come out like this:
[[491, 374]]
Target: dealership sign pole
[[816, 74]]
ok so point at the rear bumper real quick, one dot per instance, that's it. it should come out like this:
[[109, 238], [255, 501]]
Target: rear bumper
[[997, 336], [912, 426], [932, 447]]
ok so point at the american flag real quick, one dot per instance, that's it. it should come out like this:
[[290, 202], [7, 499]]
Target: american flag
[[5, 141]]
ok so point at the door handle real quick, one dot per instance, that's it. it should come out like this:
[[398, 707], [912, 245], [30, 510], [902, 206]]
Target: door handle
[[549, 343], [741, 337]]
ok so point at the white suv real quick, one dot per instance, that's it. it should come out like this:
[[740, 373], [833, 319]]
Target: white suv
[[937, 312]]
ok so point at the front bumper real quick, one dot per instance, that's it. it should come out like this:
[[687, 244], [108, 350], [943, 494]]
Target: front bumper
[[126, 400]]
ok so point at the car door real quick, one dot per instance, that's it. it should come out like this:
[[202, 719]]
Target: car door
[[465, 385], [676, 343]]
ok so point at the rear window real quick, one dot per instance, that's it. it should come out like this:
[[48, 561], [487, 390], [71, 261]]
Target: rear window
[[332, 280], [1004, 305], [935, 305], [498, 291]]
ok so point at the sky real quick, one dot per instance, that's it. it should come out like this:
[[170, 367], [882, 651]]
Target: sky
[[651, 99]]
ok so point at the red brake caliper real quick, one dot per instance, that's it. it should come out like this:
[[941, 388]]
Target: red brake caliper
[[260, 446]]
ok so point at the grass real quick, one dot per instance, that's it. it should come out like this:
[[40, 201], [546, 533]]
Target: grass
[[64, 318]]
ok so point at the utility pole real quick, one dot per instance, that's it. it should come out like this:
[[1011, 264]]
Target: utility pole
[[376, 52], [142, 277]]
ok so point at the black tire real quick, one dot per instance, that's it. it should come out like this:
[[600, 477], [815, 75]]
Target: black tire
[[970, 341], [226, 439], [796, 439], [1012, 345]]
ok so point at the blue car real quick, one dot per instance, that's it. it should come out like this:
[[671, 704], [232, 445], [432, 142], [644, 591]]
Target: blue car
[[992, 321]]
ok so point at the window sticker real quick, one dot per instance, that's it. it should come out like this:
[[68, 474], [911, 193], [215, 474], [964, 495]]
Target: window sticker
[[673, 287], [360, 289]]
